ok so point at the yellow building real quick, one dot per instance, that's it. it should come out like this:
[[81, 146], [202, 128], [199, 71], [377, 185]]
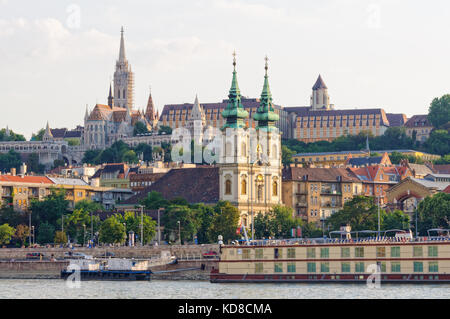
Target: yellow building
[[328, 159]]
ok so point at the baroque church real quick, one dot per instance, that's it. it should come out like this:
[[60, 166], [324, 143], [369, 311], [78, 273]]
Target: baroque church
[[106, 124]]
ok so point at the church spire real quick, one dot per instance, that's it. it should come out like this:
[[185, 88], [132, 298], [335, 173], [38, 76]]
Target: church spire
[[234, 113], [265, 114], [48, 136], [150, 111], [122, 47], [110, 97]]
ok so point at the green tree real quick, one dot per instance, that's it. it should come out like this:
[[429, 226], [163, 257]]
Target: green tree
[[50, 209], [132, 222], [145, 151], [33, 164], [165, 130], [396, 220], [38, 136], [130, 157], [112, 231], [286, 155], [433, 212], [10, 160], [46, 233], [188, 225], [438, 142], [60, 237], [92, 157], [6, 234], [224, 222], [21, 234], [439, 111], [139, 128], [154, 200], [78, 223], [277, 223]]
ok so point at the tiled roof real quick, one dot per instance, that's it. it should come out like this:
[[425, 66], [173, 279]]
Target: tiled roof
[[58, 132], [68, 181], [418, 121], [25, 179], [420, 169], [320, 84], [364, 161], [111, 167], [330, 153], [318, 174], [442, 168], [396, 119], [440, 186], [196, 185]]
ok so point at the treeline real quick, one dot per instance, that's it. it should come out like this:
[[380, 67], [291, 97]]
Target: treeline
[[120, 152]]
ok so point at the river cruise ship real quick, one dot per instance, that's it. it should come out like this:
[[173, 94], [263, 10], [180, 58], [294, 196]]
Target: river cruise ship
[[397, 259]]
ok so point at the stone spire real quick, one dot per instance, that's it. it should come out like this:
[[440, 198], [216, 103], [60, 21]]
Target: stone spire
[[197, 112], [86, 114], [265, 114], [48, 136], [150, 111], [122, 57], [110, 97], [7, 131], [234, 113], [320, 99]]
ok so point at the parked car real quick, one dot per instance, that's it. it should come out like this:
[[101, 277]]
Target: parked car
[[35, 256], [76, 255]]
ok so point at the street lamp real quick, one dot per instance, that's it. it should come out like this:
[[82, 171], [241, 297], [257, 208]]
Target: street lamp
[[142, 224], [179, 231], [84, 235]]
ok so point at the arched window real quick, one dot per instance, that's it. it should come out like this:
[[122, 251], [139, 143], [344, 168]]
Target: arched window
[[228, 149], [243, 149], [274, 152], [124, 95], [260, 192], [244, 187], [275, 189], [118, 94], [227, 187]]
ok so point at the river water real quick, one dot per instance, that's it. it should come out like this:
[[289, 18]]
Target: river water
[[54, 289]]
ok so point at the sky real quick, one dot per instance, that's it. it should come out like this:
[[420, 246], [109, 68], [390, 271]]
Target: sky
[[58, 57]]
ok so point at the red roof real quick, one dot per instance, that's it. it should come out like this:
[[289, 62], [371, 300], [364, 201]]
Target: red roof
[[25, 179], [447, 189]]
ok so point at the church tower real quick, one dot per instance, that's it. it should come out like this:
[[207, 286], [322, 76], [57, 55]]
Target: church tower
[[123, 79], [250, 162], [196, 122], [320, 100], [150, 114]]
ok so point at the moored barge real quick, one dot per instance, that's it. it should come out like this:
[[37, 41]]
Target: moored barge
[[399, 259]]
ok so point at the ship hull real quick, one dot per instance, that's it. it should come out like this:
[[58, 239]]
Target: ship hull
[[108, 275]]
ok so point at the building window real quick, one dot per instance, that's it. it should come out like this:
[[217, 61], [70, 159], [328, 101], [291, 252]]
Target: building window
[[359, 251], [359, 267], [345, 267], [275, 189], [418, 266], [381, 251], [259, 268], [291, 253], [291, 267], [227, 187], [310, 253], [311, 267], [324, 252], [395, 251], [324, 267], [345, 252], [244, 187], [259, 253], [433, 266], [417, 251], [395, 267], [278, 267], [432, 251]]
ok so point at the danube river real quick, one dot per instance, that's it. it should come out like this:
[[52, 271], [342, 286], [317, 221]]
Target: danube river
[[39, 288]]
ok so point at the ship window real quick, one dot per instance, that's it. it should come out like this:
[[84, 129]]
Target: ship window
[[418, 251], [291, 253], [324, 252], [310, 253], [259, 268], [395, 251], [432, 251], [311, 267], [291, 267], [359, 251], [345, 267], [395, 266], [382, 266], [259, 253], [433, 266], [359, 267], [278, 267], [418, 266], [246, 254], [345, 252], [381, 251], [278, 253], [324, 267]]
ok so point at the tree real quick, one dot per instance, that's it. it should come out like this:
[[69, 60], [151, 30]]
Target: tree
[[6, 234], [130, 157], [58, 163], [433, 212], [439, 111], [46, 233], [205, 215], [145, 150], [360, 213], [224, 222], [188, 225], [139, 128], [21, 234], [286, 155], [112, 231], [10, 160], [438, 142], [132, 222], [11, 217], [154, 200], [38, 136], [60, 237], [88, 205], [92, 157], [276, 224], [396, 220], [33, 164], [50, 209], [165, 130], [78, 223]]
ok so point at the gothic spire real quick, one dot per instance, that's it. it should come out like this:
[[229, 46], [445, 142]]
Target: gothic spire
[[234, 113], [122, 47], [150, 111], [320, 84], [110, 97], [197, 112], [265, 114]]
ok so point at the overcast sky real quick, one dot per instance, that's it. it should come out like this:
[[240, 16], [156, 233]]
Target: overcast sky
[[56, 57]]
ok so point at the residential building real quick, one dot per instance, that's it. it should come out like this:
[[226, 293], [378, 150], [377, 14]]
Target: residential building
[[327, 159], [420, 126], [317, 193]]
